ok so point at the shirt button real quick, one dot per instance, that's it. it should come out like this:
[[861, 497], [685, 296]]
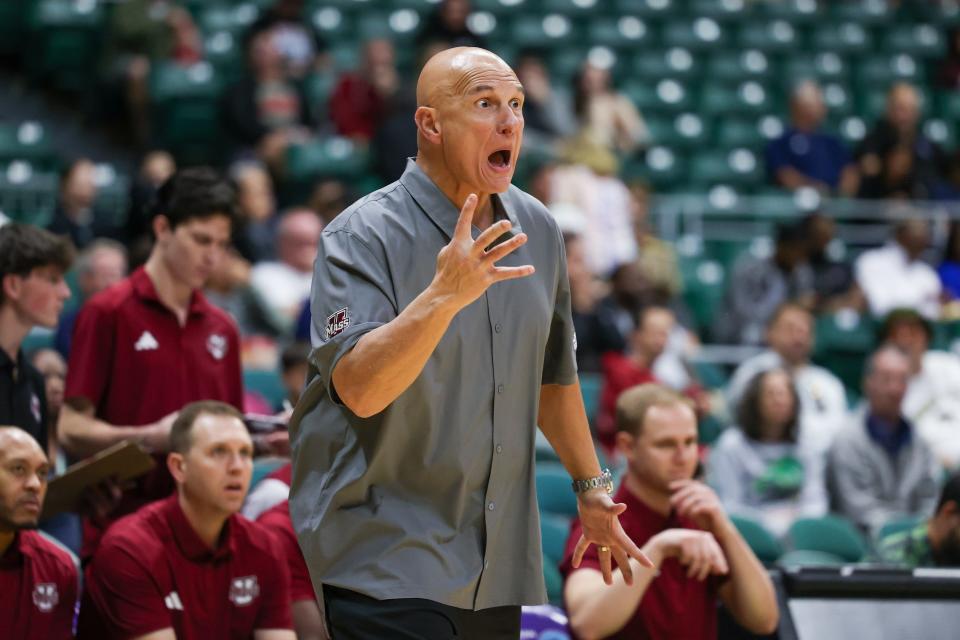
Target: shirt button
[[497, 328], [499, 448], [499, 388], [490, 506]]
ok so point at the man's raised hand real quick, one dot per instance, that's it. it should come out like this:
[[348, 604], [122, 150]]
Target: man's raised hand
[[465, 268]]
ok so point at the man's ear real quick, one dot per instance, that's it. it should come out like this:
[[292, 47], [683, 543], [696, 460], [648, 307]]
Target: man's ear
[[11, 283], [176, 464], [161, 225], [428, 124], [624, 443]]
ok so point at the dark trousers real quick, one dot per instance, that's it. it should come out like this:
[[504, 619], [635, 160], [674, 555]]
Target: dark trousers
[[353, 616]]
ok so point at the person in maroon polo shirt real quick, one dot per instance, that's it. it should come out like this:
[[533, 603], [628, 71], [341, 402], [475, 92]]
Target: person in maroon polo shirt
[[189, 567], [150, 344], [681, 526], [38, 579], [306, 606]]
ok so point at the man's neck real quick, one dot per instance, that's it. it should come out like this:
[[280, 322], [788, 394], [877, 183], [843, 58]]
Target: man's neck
[[208, 525], [641, 360], [457, 191], [12, 331], [6, 539], [656, 500], [173, 294]]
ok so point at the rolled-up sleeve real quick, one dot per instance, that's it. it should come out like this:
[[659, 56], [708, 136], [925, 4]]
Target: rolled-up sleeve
[[560, 355], [351, 296]]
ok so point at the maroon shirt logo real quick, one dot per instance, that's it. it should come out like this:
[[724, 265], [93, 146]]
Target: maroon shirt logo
[[217, 346], [45, 596], [244, 590], [337, 322]]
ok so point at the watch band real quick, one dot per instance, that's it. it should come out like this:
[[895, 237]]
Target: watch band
[[602, 481]]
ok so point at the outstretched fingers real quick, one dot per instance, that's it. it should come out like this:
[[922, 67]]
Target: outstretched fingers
[[465, 221]]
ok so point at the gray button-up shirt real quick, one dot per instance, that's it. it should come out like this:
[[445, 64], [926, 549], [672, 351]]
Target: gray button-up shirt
[[434, 497]]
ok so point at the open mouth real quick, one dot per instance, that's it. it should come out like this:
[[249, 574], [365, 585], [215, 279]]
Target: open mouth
[[500, 159], [235, 488]]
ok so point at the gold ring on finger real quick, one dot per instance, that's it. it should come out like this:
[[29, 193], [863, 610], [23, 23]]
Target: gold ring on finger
[[604, 549]]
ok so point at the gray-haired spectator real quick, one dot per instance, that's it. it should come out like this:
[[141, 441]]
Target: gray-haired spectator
[[878, 469]]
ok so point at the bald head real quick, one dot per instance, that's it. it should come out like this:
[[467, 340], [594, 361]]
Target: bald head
[[449, 73], [23, 479]]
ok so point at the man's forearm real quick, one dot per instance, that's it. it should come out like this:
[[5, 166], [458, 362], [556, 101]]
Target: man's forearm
[[386, 361], [749, 594], [563, 421], [83, 435]]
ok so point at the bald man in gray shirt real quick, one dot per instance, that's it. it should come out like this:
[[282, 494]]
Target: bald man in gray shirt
[[442, 337]]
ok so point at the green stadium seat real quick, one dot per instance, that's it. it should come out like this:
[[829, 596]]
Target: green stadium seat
[[621, 32], [652, 9], [918, 40], [796, 12], [809, 558], [547, 31], [334, 25], [739, 132], [852, 130], [27, 141], [232, 18], [13, 19], [865, 12], [677, 63], [553, 581], [710, 375], [943, 132], [554, 491], [740, 167], [554, 531], [881, 71], [663, 167], [729, 11], [719, 98], [591, 385], [267, 383], [846, 38], [898, 525], [825, 66], [332, 157], [37, 339], [704, 283], [501, 7], [665, 96], [709, 430], [838, 99], [830, 534], [777, 36], [739, 66], [63, 42], [27, 195], [696, 34], [222, 50], [574, 8], [262, 467], [843, 341], [185, 110], [113, 195], [763, 543]]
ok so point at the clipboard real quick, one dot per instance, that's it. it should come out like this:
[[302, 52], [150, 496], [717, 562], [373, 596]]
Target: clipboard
[[123, 461]]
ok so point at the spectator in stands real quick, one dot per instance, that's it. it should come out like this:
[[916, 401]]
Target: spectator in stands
[[832, 277], [546, 115], [759, 468], [256, 234], [934, 542], [657, 259], [302, 48], [329, 198], [284, 284], [878, 468], [896, 159], [141, 34], [948, 75], [823, 402], [32, 293], [149, 345], [683, 528], [949, 269], [594, 336], [294, 361], [266, 111], [100, 266], [607, 117], [758, 286], [228, 288], [359, 101], [448, 24], [38, 579], [155, 168], [932, 401], [53, 368], [76, 215], [895, 275], [306, 602], [618, 311], [189, 564], [805, 155]]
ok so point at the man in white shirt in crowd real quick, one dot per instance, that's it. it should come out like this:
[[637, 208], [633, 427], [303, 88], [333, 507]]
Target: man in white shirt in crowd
[[894, 275], [823, 401], [932, 402], [285, 284]]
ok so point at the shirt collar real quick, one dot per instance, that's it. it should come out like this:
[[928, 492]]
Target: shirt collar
[[190, 544], [891, 440], [144, 287], [438, 206]]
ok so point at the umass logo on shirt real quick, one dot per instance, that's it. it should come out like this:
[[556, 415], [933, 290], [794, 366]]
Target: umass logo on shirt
[[337, 322], [45, 596], [244, 590]]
